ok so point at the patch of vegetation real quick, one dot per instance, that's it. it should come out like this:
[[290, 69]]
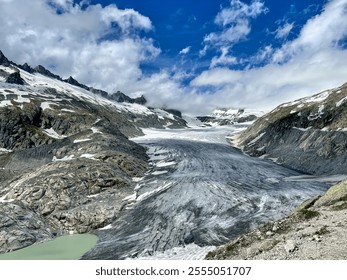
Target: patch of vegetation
[[308, 214], [322, 231], [339, 207]]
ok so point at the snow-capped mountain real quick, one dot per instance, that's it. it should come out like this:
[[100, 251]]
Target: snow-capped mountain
[[229, 116], [65, 160], [308, 134]]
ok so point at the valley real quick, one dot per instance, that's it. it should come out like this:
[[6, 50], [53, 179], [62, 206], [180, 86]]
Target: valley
[[199, 192]]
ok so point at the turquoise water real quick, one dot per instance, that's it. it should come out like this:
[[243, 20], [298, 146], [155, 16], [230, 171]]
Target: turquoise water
[[68, 247]]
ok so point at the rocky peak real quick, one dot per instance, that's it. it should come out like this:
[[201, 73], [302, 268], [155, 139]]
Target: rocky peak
[[140, 100], [27, 67], [74, 82], [15, 78], [121, 97], [3, 60], [42, 70]]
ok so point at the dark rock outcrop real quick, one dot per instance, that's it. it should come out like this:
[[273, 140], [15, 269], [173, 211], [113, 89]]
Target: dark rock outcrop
[[3, 60], [73, 82], [42, 70], [27, 67], [121, 97], [15, 78]]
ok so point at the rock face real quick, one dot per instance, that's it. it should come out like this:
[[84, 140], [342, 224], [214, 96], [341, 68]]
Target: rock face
[[315, 230], [42, 70], [308, 134], [66, 162], [3, 60], [121, 97], [15, 78]]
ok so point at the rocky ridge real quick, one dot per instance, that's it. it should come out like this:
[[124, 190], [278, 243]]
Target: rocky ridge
[[66, 162], [308, 134], [316, 230]]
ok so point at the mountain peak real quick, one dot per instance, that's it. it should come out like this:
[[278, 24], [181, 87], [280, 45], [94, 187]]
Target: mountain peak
[[42, 70], [3, 59], [74, 82]]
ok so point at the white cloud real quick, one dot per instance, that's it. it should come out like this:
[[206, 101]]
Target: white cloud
[[223, 59], [216, 77], [185, 50], [321, 32], [99, 46], [235, 22], [306, 65], [282, 32]]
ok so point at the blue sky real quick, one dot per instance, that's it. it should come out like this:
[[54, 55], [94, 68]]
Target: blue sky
[[189, 55]]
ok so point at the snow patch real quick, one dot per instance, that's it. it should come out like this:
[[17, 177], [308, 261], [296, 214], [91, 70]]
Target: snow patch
[[66, 158], [88, 156], [96, 131], [302, 129], [156, 173], [137, 179], [4, 200], [165, 164], [106, 227], [338, 104], [5, 103], [93, 195], [68, 110], [318, 97], [46, 105], [52, 133], [3, 150], [256, 139], [81, 140]]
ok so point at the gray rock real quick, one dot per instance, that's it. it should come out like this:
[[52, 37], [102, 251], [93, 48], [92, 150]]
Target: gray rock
[[290, 246], [15, 78]]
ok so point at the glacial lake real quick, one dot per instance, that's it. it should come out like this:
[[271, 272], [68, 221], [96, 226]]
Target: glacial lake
[[67, 247]]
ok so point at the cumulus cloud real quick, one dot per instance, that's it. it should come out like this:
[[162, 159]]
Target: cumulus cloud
[[312, 62], [234, 22], [99, 46]]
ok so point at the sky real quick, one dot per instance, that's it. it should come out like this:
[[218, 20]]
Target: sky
[[191, 55]]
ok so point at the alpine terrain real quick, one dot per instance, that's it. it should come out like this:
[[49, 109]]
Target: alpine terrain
[[151, 185]]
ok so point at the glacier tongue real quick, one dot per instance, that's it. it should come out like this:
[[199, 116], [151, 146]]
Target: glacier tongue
[[212, 193]]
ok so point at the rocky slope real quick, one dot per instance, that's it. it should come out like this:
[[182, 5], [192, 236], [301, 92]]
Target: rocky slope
[[317, 229], [308, 134], [66, 163]]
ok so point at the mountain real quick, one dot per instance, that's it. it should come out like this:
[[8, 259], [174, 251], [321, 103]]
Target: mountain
[[308, 134], [229, 116], [66, 162], [315, 230]]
